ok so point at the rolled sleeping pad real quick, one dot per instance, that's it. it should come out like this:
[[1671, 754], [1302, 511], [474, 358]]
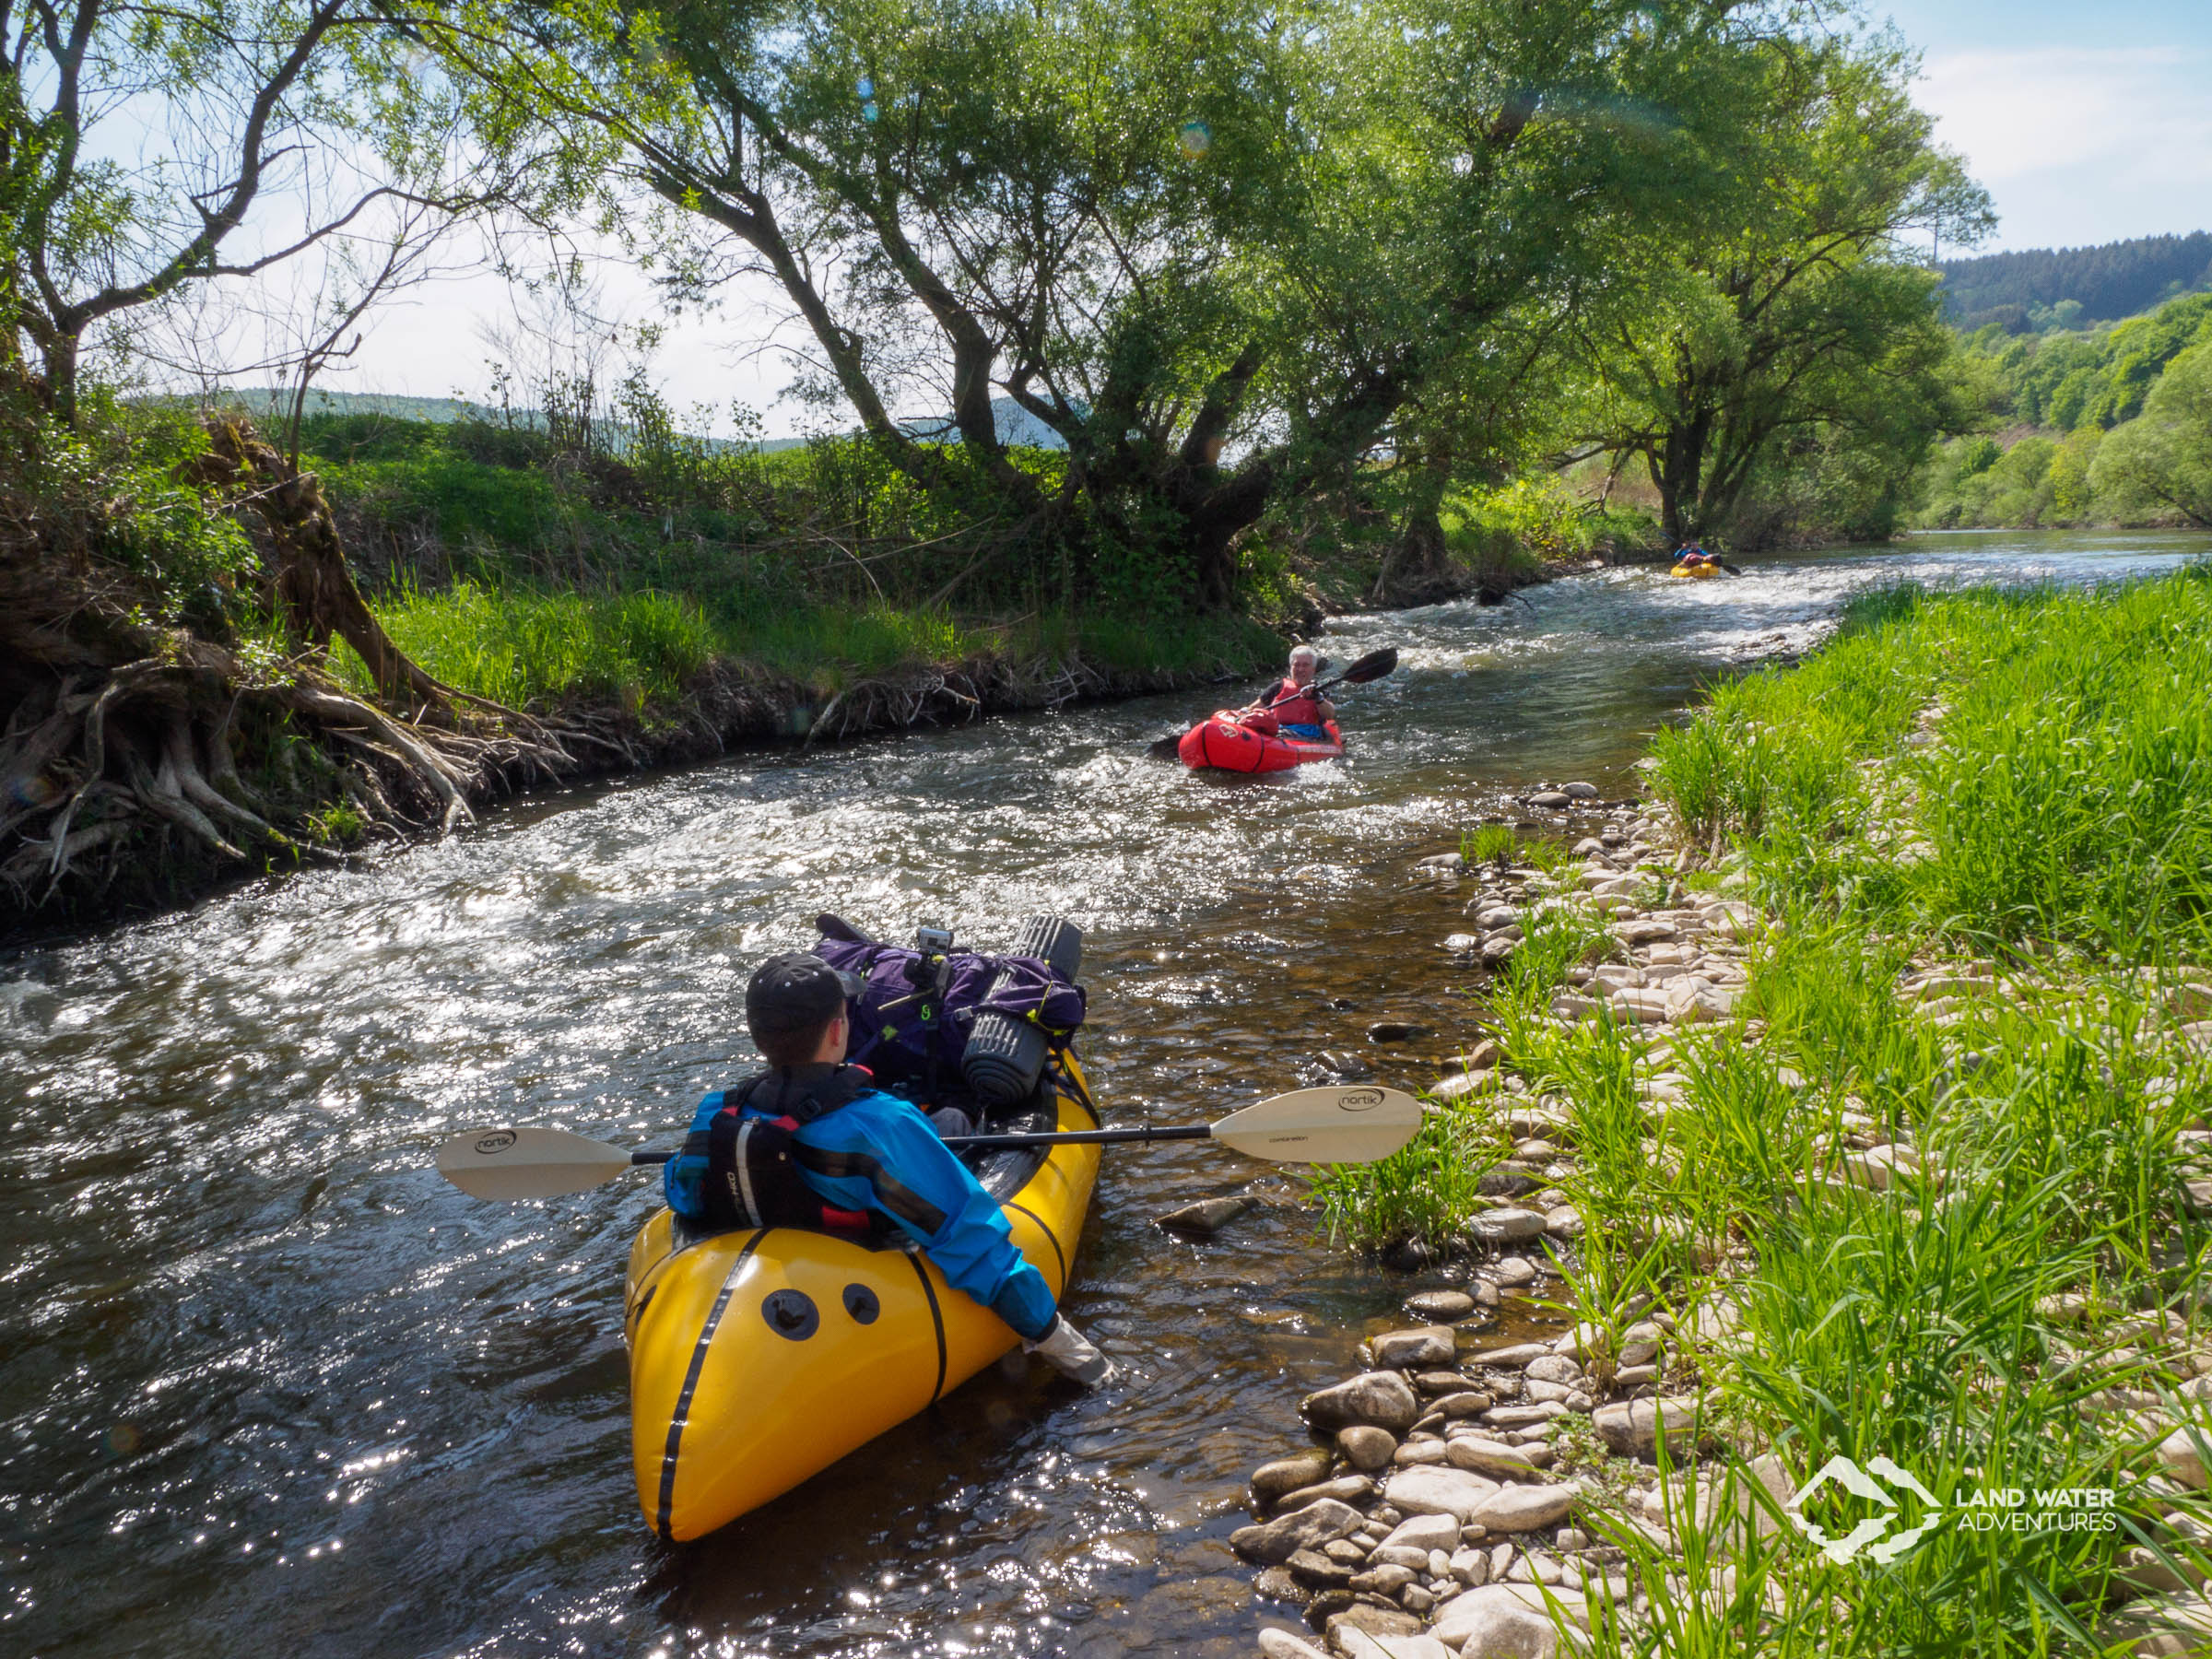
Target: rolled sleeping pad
[[1005, 1056]]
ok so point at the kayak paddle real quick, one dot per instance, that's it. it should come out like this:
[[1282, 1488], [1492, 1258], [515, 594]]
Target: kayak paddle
[[1373, 666], [1308, 1125]]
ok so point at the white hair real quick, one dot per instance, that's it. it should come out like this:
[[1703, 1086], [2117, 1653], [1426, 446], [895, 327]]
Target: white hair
[[1304, 652]]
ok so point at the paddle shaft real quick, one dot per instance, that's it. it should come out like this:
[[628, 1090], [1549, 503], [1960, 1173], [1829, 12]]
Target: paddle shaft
[[1072, 1138]]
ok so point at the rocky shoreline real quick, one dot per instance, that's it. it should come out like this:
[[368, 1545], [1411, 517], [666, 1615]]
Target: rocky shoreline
[[1496, 1502]]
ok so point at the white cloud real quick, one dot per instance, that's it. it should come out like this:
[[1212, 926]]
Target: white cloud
[[2080, 145]]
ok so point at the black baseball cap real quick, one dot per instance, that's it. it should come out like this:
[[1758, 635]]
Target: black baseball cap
[[796, 991]]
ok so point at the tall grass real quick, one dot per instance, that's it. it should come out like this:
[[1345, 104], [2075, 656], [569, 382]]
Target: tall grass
[[2062, 790], [1995, 1315], [523, 645], [519, 647], [2042, 785]]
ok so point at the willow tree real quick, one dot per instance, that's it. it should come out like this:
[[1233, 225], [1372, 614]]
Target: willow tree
[[1215, 249], [1799, 313]]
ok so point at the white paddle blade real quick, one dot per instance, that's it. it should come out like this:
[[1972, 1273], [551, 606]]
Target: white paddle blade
[[527, 1162], [1323, 1125]]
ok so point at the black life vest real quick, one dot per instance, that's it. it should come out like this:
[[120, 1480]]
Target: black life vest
[[747, 1170]]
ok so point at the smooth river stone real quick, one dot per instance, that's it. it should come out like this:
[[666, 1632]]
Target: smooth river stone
[[1507, 1225], [1345, 1489], [1434, 1490], [1418, 1349], [1519, 1508], [1489, 1457], [1279, 1541], [1442, 1306], [1271, 1480], [1491, 1622], [1382, 1397], [1366, 1447], [1424, 1532], [1513, 1358]]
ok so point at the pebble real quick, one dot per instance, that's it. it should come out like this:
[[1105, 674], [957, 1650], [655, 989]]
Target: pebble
[[1208, 1216], [1414, 1452], [1281, 1644], [1445, 1307], [1380, 1397], [1443, 1382], [1631, 1429], [2180, 1454], [1515, 1356], [1489, 1457], [1580, 792], [1395, 1031], [1409, 1350], [1371, 1621], [1274, 1542], [1425, 1531], [1365, 1447], [1440, 1491], [1271, 1480], [1550, 800], [1508, 1226], [1312, 1569], [1491, 1622], [1345, 1489], [1512, 1271], [1520, 1509]]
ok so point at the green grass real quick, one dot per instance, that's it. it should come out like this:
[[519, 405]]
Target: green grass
[[2065, 797], [1969, 1322], [524, 646], [519, 647]]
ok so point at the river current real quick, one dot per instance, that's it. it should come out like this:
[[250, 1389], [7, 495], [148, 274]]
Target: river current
[[268, 1384]]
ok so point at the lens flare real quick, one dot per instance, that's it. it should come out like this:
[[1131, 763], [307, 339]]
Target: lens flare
[[1194, 138]]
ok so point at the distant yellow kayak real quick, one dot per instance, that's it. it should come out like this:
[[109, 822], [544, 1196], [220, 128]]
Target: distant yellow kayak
[[1696, 573], [760, 1358]]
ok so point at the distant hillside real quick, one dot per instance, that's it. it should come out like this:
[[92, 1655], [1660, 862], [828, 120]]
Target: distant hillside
[[266, 400], [2092, 285], [1016, 424]]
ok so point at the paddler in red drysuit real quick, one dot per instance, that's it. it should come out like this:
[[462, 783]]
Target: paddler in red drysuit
[[1290, 705]]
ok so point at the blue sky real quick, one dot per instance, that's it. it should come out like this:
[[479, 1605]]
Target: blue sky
[[2088, 123]]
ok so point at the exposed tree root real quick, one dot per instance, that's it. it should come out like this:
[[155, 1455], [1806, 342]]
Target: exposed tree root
[[125, 744]]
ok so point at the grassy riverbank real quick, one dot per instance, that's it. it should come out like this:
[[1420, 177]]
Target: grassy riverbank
[[1903, 1157]]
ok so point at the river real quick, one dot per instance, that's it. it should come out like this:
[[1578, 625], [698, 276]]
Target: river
[[269, 1386]]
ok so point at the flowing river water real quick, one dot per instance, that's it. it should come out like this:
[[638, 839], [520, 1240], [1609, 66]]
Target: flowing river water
[[267, 1384]]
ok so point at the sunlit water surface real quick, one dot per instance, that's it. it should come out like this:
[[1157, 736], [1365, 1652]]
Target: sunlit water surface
[[270, 1385]]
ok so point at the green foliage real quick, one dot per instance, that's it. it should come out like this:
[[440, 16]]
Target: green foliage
[[1533, 513], [113, 485], [2067, 796], [1780, 369], [1489, 843], [518, 647], [2161, 463]]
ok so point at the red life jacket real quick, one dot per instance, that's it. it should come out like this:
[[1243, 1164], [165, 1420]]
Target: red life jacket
[[1298, 707]]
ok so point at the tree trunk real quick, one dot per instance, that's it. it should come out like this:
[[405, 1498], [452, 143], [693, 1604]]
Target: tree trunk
[[1417, 568]]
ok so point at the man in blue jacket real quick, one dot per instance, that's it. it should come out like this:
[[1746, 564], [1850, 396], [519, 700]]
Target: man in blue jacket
[[858, 1152]]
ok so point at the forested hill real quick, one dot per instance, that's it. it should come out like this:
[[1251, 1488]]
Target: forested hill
[[2072, 287]]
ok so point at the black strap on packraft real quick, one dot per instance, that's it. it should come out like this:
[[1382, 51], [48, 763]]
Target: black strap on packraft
[[753, 1176]]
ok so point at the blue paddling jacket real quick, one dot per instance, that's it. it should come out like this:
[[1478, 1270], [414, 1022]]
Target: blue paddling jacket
[[877, 1154]]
